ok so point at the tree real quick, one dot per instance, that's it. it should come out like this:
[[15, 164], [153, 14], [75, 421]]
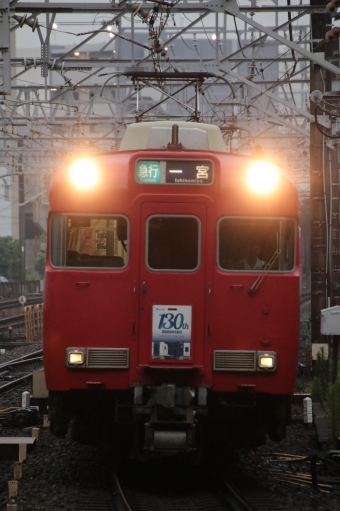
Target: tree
[[9, 258], [40, 264]]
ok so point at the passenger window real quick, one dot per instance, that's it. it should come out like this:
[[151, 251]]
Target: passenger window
[[173, 243], [89, 241], [255, 244]]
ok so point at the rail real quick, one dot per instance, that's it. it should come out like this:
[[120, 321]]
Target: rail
[[6, 305], [11, 322], [31, 360]]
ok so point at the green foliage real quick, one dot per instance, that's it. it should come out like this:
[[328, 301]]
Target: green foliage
[[33, 275], [326, 391], [317, 394], [40, 265], [332, 407], [299, 385], [9, 258], [322, 379]]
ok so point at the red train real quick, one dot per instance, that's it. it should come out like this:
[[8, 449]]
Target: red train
[[171, 315]]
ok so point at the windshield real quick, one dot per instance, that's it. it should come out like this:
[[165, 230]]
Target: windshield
[[248, 244], [89, 241]]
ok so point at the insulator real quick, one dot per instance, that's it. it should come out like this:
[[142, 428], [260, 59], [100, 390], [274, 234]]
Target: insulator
[[143, 13], [135, 8], [329, 37], [336, 32], [32, 23], [331, 8], [20, 19], [158, 45], [327, 108], [332, 34], [316, 96], [68, 82]]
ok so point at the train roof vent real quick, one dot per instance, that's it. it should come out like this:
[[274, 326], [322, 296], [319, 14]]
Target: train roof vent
[[157, 135]]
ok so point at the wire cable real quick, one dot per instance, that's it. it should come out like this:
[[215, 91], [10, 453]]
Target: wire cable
[[318, 125]]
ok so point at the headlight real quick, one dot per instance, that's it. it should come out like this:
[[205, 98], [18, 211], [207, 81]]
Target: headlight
[[75, 357], [84, 173], [266, 361], [262, 177]]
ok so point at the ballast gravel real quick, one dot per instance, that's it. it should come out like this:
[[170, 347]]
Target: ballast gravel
[[49, 474]]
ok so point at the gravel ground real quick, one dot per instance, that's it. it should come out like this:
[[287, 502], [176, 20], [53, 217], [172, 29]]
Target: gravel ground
[[49, 474], [6, 355], [49, 481], [299, 441]]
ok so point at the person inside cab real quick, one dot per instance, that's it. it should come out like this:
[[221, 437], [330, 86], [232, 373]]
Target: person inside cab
[[251, 259]]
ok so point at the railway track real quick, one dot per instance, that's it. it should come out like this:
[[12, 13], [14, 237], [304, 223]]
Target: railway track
[[305, 298], [34, 359], [12, 321], [14, 304], [196, 490], [18, 319], [247, 489]]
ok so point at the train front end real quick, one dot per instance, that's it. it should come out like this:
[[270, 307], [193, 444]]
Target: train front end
[[172, 295]]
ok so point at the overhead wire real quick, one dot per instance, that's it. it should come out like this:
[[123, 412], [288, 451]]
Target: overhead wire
[[169, 63], [238, 38]]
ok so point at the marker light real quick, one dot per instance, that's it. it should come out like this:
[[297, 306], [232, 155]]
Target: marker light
[[267, 361], [84, 173], [263, 177], [76, 358]]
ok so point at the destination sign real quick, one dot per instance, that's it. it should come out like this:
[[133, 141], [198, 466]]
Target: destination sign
[[188, 172], [178, 172], [148, 172]]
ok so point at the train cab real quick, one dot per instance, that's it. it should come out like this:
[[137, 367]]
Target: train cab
[[172, 293]]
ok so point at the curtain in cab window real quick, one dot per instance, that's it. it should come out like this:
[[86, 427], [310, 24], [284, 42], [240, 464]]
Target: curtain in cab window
[[89, 241], [253, 244]]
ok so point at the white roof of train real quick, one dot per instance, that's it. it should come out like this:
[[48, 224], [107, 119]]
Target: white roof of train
[[157, 135]]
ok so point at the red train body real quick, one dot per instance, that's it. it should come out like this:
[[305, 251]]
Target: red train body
[[158, 334]]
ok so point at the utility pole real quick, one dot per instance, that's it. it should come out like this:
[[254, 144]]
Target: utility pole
[[324, 188], [22, 233], [5, 79]]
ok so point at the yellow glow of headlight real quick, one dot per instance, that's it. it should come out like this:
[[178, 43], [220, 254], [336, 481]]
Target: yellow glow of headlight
[[265, 361], [76, 358], [263, 177], [84, 173]]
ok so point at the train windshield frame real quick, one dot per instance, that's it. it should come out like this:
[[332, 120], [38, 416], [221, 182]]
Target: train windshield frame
[[89, 241], [253, 244], [173, 243]]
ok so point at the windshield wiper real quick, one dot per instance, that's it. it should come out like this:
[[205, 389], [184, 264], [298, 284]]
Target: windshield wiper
[[264, 272]]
